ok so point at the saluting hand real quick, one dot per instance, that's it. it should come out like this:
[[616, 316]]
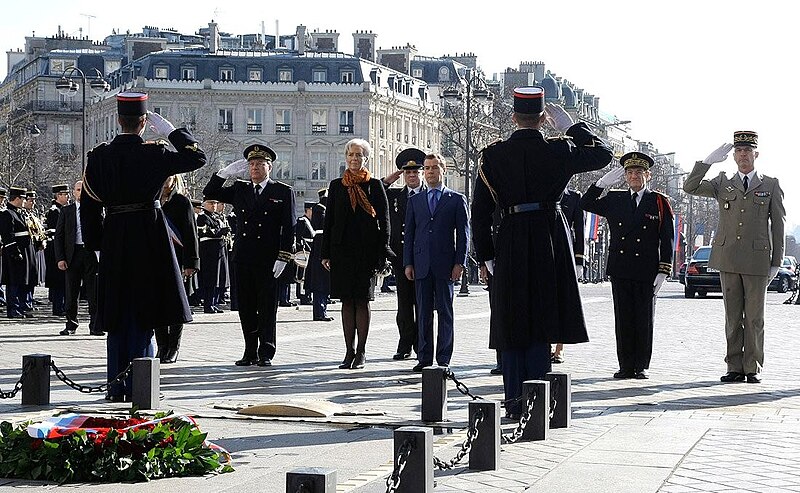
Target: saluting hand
[[237, 169], [159, 124], [720, 154], [612, 177], [558, 117], [393, 177]]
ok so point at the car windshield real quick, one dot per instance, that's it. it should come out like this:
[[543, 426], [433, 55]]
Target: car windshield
[[787, 262], [701, 254]]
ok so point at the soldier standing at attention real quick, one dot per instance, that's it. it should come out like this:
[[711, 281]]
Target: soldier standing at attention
[[125, 177], [54, 277], [747, 250], [19, 262], [639, 258], [535, 298]]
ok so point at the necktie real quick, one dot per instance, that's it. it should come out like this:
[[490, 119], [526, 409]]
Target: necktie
[[411, 192], [745, 182], [257, 190], [633, 200], [433, 199]]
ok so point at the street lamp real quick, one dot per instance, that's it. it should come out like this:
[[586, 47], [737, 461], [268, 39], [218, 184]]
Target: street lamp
[[68, 87], [476, 92]]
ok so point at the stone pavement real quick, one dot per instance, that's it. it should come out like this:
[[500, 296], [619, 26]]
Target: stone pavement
[[680, 431]]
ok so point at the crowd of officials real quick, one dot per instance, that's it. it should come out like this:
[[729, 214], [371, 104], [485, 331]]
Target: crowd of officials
[[132, 222]]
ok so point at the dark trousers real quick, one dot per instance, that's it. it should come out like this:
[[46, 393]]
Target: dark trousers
[[406, 313], [283, 292], [27, 297], [519, 365], [433, 292], [14, 300], [81, 272], [634, 305], [258, 308], [320, 303], [123, 346], [56, 297]]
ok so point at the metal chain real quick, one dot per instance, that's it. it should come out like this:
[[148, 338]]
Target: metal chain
[[393, 481], [460, 386], [523, 421], [554, 396], [87, 389], [472, 434], [17, 386]]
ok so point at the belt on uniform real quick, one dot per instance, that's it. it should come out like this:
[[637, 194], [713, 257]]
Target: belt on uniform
[[22, 233], [209, 238], [139, 207], [530, 207]]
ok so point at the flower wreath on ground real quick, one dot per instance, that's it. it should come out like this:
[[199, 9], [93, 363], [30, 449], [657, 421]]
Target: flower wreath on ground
[[74, 448]]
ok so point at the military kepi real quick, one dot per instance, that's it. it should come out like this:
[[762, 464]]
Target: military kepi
[[636, 160], [131, 103], [16, 192], [259, 151], [62, 188], [410, 159], [745, 138], [529, 100]]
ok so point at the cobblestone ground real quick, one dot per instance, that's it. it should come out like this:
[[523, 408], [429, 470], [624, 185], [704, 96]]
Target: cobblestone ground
[[682, 430]]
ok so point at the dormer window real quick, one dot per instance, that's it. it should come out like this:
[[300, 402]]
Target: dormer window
[[226, 74], [319, 75], [188, 73], [161, 73], [254, 75], [285, 75]]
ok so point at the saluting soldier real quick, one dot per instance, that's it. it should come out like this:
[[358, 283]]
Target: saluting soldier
[[19, 262], [639, 257], [54, 278], [211, 233], [748, 248], [262, 246], [140, 285], [535, 299]]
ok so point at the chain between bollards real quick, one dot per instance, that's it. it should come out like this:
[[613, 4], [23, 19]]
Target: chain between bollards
[[466, 446], [87, 389], [393, 481], [460, 386], [17, 386], [554, 397], [523, 421]]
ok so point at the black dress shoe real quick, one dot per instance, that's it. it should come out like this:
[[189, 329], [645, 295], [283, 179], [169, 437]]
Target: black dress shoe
[[753, 378], [732, 376], [512, 416], [496, 371], [419, 366], [245, 361], [115, 398], [284, 303], [264, 362], [323, 319], [209, 310], [217, 309], [96, 333], [640, 375], [401, 355], [624, 374], [67, 332]]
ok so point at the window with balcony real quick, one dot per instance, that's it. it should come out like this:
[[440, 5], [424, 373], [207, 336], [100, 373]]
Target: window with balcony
[[64, 144], [346, 125], [161, 73], [282, 167], [283, 121], [347, 76], [319, 75], [319, 121], [225, 122], [254, 74], [188, 73], [319, 165], [285, 75], [254, 120], [226, 74]]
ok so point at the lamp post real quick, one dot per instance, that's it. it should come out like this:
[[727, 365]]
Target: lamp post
[[69, 87], [475, 92]]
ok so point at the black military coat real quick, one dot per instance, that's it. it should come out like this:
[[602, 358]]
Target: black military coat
[[139, 281], [213, 257], [180, 218], [571, 208], [53, 277], [317, 278], [642, 241], [19, 257], [398, 200], [534, 290]]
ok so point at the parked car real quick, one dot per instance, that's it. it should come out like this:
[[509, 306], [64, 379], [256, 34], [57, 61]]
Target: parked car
[[700, 279], [786, 280], [682, 273], [790, 263]]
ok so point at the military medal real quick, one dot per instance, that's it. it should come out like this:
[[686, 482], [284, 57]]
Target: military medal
[[726, 206], [396, 209]]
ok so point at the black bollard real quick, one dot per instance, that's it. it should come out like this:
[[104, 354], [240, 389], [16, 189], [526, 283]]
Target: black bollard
[[146, 375], [485, 452], [539, 422], [311, 480], [417, 476], [561, 388], [434, 394], [36, 384]]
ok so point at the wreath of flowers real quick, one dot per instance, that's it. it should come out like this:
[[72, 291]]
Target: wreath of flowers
[[77, 448]]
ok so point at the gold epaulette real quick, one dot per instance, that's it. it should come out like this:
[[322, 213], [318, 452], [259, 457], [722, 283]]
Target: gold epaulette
[[665, 268], [161, 142], [285, 256]]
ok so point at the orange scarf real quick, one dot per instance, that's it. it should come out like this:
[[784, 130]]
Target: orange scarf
[[352, 180]]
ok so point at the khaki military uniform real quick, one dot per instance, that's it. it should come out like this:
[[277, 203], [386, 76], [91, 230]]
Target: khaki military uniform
[[750, 240]]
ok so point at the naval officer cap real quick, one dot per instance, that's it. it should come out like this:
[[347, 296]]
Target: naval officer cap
[[746, 138], [529, 100], [30, 194], [196, 203], [310, 205], [131, 103], [60, 188], [636, 160], [410, 159], [259, 151]]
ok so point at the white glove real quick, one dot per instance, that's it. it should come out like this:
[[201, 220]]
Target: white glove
[[490, 266], [97, 254], [558, 117], [612, 177], [278, 269], [660, 278], [237, 169], [159, 124], [579, 272], [720, 154], [773, 271]]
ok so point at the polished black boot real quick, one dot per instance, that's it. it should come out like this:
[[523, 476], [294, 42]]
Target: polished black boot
[[347, 362], [174, 344], [162, 341]]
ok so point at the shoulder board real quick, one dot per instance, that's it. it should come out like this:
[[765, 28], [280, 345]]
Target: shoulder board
[[242, 181], [98, 146], [493, 144], [160, 142], [54, 207], [558, 137], [282, 184]]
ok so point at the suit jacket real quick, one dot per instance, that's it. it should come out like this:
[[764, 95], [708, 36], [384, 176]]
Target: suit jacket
[[66, 231], [642, 241], [571, 208], [751, 224], [435, 242], [264, 226]]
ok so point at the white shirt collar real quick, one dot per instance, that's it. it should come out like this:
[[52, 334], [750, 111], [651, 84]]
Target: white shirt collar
[[749, 175], [263, 185], [439, 187], [415, 190]]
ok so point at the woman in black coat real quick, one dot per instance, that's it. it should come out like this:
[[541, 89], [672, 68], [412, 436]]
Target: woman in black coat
[[355, 245]]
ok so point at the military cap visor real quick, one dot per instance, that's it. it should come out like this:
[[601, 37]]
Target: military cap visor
[[410, 159], [196, 203], [131, 103], [636, 160], [16, 192], [63, 188], [529, 100], [30, 194], [259, 151], [3, 192], [746, 138]]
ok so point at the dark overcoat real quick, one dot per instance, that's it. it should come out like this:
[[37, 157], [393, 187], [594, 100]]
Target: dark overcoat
[[213, 254], [53, 277], [571, 208], [317, 277], [180, 218], [19, 257]]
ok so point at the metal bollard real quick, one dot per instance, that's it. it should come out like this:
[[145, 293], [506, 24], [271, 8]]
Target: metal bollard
[[434, 394], [561, 386], [311, 480], [417, 475], [539, 422], [146, 375], [485, 452], [36, 384]]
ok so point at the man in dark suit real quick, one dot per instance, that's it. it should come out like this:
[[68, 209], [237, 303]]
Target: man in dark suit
[[639, 257], [434, 254], [19, 261], [54, 277], [262, 246], [409, 161], [318, 280], [77, 263], [139, 283], [303, 239]]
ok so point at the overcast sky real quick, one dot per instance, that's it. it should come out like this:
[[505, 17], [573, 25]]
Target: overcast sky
[[687, 73]]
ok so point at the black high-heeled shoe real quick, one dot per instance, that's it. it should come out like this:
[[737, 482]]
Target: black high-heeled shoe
[[359, 360], [347, 362]]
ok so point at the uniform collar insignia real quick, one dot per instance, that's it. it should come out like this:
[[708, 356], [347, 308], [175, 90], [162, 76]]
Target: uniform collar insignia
[[729, 189]]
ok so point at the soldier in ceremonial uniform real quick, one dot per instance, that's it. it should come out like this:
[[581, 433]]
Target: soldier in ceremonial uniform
[[140, 285], [747, 250], [535, 298], [54, 277], [409, 161], [213, 265], [3, 192], [262, 246], [318, 280], [639, 257], [303, 239], [19, 262], [39, 240]]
